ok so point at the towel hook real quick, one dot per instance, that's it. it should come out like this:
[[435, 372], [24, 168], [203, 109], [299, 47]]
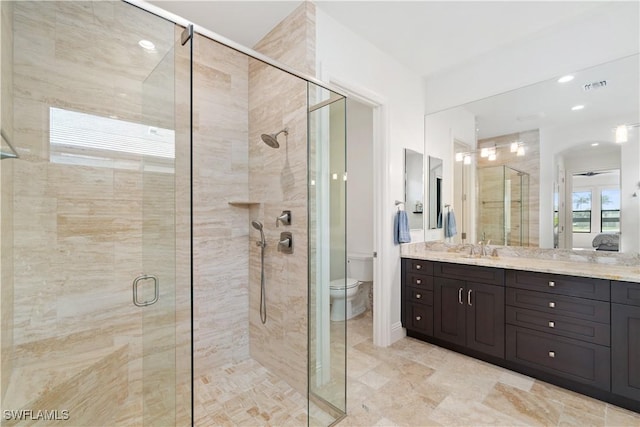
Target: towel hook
[[398, 203]]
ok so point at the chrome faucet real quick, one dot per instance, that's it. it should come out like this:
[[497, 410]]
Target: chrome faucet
[[484, 251]]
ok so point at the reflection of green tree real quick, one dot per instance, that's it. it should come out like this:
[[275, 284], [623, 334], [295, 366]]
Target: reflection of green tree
[[580, 199], [606, 200]]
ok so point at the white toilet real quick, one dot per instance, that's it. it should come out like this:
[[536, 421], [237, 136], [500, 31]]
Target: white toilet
[[359, 269]]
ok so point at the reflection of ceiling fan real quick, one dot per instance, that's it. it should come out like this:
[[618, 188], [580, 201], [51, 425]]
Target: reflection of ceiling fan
[[589, 173]]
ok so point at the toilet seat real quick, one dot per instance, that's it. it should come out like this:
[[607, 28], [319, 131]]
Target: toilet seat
[[339, 284]]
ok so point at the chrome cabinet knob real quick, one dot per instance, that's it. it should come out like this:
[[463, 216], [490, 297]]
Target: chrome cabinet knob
[[418, 296], [418, 267], [418, 281], [552, 324], [552, 354], [552, 284], [552, 304], [418, 318]]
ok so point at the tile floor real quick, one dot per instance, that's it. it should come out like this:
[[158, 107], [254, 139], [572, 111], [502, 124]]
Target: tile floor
[[413, 383]]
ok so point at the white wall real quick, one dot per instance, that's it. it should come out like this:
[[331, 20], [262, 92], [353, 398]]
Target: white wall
[[359, 178], [415, 177], [601, 35], [346, 59], [441, 130]]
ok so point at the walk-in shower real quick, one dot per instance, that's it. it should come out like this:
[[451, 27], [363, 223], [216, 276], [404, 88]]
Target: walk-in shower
[[138, 179], [272, 139]]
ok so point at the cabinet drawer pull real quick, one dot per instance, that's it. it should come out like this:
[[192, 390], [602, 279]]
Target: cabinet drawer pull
[[418, 281], [460, 296], [418, 266], [469, 297], [552, 354], [418, 296], [418, 318], [552, 324], [552, 304], [552, 284]]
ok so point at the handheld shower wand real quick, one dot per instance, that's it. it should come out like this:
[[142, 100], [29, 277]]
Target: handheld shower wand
[[262, 243]]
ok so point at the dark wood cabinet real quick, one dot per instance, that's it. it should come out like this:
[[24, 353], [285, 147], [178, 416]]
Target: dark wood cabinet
[[625, 350], [576, 332], [449, 310], [470, 314]]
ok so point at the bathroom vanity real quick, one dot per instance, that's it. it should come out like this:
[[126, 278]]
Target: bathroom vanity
[[569, 319]]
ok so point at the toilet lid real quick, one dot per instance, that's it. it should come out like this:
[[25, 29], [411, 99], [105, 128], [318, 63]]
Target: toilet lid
[[340, 283]]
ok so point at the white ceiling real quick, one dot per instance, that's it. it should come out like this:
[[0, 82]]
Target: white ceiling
[[427, 36]]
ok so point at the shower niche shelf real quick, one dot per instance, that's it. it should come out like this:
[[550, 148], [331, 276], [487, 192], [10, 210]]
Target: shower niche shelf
[[243, 203]]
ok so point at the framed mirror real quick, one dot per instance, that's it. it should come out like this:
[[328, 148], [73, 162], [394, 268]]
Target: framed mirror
[[414, 188], [435, 193]]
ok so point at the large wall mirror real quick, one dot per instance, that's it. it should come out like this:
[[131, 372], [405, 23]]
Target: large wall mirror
[[554, 164], [414, 188]]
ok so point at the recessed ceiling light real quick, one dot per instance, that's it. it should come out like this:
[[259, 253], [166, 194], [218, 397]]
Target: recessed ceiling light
[[577, 107], [146, 44], [565, 79], [595, 144]]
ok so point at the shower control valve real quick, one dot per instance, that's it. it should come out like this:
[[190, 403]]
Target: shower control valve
[[284, 218], [285, 245]]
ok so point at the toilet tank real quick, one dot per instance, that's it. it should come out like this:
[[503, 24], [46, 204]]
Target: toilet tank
[[360, 266]]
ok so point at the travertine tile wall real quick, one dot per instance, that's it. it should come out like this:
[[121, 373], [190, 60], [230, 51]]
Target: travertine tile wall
[[6, 200], [529, 163], [220, 230], [78, 229], [278, 180]]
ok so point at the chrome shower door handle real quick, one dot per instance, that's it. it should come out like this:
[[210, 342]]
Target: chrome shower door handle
[[156, 290]]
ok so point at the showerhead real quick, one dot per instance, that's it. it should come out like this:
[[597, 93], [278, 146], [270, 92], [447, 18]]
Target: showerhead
[[272, 139], [258, 226]]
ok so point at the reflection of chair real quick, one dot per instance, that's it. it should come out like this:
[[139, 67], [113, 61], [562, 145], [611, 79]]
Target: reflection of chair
[[606, 242]]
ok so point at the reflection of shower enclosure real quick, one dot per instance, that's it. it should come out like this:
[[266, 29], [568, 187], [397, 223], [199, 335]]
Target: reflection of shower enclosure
[[503, 206], [130, 278]]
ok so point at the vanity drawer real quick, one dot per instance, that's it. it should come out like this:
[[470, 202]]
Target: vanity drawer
[[580, 308], [585, 287], [625, 293], [488, 275], [418, 266], [579, 361], [419, 296], [419, 318], [419, 281], [585, 330]]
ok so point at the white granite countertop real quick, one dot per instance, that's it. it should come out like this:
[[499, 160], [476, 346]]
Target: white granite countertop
[[612, 266]]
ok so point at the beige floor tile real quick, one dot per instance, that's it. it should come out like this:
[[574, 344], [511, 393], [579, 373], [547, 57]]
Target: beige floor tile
[[523, 405]]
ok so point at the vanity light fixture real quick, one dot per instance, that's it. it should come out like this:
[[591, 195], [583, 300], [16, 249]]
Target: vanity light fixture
[[577, 107], [622, 134], [520, 151], [565, 79]]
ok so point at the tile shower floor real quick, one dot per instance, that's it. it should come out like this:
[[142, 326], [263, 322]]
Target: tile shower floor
[[412, 383]]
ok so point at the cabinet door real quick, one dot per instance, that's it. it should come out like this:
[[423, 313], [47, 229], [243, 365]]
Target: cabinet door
[[625, 350], [485, 318], [449, 310]]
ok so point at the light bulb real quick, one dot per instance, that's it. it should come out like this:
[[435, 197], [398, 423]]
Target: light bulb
[[565, 79], [459, 157], [467, 159], [484, 152], [514, 147], [520, 151], [492, 157]]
